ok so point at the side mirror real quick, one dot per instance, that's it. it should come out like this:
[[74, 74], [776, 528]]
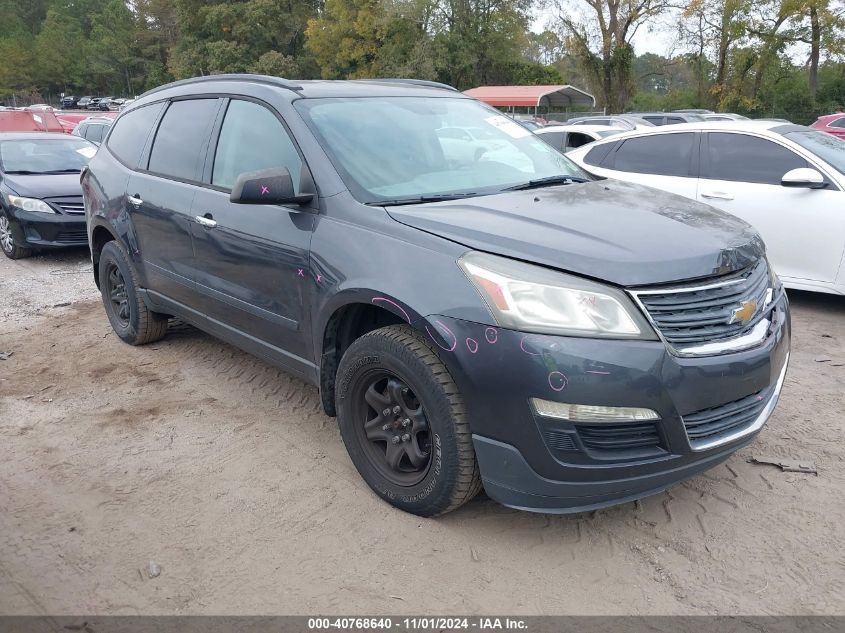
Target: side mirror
[[803, 177], [267, 186]]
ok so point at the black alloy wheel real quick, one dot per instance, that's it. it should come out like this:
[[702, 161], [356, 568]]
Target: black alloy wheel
[[394, 429]]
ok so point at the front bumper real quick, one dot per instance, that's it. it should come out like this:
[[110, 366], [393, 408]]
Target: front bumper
[[48, 230], [708, 407]]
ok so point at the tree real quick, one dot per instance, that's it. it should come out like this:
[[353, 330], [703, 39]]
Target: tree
[[599, 33]]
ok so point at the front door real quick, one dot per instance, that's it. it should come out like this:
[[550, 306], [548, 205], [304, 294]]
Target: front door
[[252, 260]]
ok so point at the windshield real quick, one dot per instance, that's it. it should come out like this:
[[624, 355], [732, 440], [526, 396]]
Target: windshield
[[45, 156], [829, 148], [398, 148]]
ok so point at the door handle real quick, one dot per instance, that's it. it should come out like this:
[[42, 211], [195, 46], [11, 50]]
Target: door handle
[[206, 222], [717, 195], [135, 200]]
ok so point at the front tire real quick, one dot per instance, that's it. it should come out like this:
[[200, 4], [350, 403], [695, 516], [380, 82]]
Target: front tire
[[7, 242], [403, 422], [129, 316]]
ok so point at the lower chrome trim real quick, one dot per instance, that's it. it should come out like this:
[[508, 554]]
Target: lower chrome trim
[[755, 426]]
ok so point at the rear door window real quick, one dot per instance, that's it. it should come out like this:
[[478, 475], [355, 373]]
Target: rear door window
[[182, 138], [253, 138], [661, 154], [838, 123], [576, 139], [555, 139], [95, 133], [656, 120], [744, 158], [130, 133]]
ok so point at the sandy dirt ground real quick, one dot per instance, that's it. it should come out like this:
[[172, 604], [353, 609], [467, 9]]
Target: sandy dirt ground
[[225, 473]]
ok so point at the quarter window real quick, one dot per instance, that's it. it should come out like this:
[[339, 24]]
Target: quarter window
[[253, 138], [744, 158], [131, 131], [179, 146], [661, 154], [838, 123]]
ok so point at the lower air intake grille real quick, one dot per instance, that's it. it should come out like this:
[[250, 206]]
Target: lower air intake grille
[[619, 437], [558, 441], [710, 424]]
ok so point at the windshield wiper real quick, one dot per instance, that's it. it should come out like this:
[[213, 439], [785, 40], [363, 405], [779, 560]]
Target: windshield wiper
[[62, 171], [545, 182], [24, 172], [420, 199]]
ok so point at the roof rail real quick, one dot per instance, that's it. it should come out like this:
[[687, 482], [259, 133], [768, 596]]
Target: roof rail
[[264, 79], [414, 82]]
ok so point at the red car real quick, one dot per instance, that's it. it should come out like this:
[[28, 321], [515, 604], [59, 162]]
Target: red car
[[832, 124], [29, 121]]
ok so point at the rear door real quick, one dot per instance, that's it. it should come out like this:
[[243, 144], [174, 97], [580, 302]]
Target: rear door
[[252, 263], [664, 161], [160, 196], [803, 228]]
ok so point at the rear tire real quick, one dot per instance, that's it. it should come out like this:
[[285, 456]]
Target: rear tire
[[129, 316], [7, 242], [404, 424]]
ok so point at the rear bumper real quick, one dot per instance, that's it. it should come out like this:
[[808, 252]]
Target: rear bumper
[[708, 407], [46, 230]]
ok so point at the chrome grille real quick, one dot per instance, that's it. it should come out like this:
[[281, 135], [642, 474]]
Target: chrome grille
[[696, 315], [72, 206]]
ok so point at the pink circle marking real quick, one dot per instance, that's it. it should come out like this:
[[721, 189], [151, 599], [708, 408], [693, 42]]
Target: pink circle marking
[[522, 346], [394, 304], [491, 334], [444, 328], [472, 345], [557, 381]]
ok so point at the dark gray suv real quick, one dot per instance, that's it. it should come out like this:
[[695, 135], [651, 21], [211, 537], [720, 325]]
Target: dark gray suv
[[475, 310]]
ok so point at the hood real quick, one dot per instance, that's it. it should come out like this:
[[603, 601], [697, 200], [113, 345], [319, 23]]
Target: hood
[[622, 233], [46, 186]]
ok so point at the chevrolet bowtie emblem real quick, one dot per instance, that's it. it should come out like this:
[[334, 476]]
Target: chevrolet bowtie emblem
[[744, 312]]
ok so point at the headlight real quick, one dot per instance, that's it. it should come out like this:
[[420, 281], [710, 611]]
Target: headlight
[[535, 299], [30, 204], [774, 280]]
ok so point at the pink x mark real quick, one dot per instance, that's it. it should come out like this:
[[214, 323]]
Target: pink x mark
[[319, 278], [264, 190], [300, 272]]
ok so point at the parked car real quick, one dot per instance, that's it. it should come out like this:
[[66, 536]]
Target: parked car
[[94, 104], [40, 195], [621, 121], [84, 102], [468, 144], [40, 107], [668, 118], [536, 334], [701, 111], [565, 138], [832, 124], [786, 180], [93, 128], [723, 116], [69, 102], [105, 104], [29, 121], [126, 103]]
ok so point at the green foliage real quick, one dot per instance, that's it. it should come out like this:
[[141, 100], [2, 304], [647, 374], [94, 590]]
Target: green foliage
[[736, 55]]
